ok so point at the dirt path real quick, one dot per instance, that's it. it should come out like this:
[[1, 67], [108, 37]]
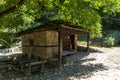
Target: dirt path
[[109, 58], [102, 65]]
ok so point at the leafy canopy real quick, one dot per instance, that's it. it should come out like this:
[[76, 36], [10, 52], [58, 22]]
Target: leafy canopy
[[83, 13]]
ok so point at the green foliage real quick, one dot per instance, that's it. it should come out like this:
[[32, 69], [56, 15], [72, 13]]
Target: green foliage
[[111, 39], [83, 13], [7, 39], [111, 21], [5, 4], [79, 13], [107, 6], [82, 40], [2, 2]]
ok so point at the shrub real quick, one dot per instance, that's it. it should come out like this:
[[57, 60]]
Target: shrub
[[111, 39], [8, 39]]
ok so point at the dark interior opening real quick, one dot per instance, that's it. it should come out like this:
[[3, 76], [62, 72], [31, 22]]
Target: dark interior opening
[[69, 42], [72, 41]]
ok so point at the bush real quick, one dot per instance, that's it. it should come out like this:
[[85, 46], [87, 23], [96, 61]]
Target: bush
[[8, 39], [111, 39]]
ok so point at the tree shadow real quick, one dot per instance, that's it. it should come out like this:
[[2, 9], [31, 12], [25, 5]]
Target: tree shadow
[[84, 49], [74, 67], [78, 69]]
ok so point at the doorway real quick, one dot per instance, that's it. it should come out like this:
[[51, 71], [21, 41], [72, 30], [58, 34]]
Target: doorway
[[69, 42]]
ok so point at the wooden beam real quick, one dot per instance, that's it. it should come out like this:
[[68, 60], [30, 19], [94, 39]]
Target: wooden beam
[[60, 47], [36, 29], [40, 46], [71, 31], [75, 42]]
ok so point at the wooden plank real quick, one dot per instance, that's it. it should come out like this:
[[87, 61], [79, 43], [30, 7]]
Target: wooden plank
[[37, 62], [34, 66], [26, 60]]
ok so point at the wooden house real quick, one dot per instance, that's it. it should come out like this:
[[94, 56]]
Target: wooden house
[[45, 40]]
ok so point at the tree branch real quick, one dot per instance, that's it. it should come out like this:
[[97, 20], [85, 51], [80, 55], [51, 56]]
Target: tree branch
[[12, 9]]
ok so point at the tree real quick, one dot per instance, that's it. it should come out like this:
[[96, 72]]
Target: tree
[[11, 9], [111, 22], [85, 13]]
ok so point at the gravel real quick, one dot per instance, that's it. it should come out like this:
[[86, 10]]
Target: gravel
[[102, 65]]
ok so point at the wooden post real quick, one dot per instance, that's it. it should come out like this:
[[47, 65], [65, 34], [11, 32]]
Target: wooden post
[[75, 42], [88, 44], [60, 47], [29, 71]]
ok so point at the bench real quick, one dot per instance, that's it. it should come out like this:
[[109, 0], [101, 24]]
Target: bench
[[29, 66]]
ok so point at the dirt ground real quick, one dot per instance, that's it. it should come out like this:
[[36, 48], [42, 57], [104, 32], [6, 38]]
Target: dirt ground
[[110, 59], [101, 65]]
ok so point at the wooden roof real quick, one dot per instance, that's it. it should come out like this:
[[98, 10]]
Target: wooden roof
[[68, 29], [62, 27]]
